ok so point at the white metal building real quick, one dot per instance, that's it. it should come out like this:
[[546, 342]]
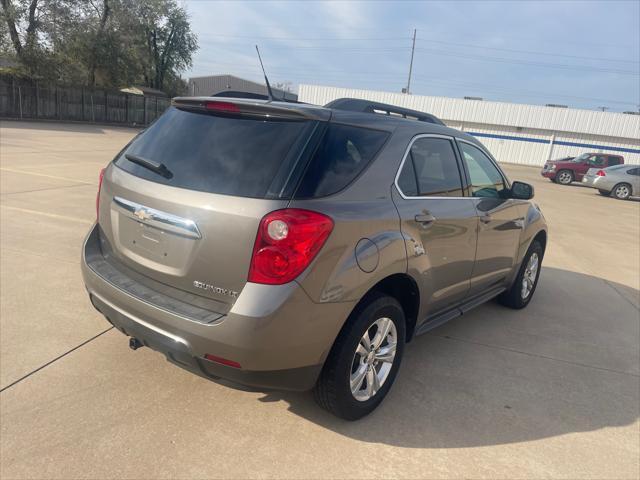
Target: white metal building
[[514, 133]]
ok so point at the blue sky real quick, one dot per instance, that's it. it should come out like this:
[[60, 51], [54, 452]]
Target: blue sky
[[583, 54]]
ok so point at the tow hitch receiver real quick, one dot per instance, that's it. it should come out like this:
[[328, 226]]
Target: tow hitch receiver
[[135, 344]]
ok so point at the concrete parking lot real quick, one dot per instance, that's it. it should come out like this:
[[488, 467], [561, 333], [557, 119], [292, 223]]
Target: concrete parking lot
[[550, 391]]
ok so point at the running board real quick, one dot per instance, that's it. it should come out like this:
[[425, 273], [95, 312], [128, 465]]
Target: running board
[[470, 304]]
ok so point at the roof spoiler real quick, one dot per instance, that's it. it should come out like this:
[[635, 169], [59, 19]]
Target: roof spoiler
[[367, 106], [250, 108], [255, 96]]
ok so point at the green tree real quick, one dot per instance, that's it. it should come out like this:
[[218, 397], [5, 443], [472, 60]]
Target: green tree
[[168, 38], [23, 22], [106, 43]]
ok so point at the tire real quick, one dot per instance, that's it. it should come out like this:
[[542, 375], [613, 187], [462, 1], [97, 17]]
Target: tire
[[604, 193], [621, 191], [565, 177], [333, 390], [515, 297]]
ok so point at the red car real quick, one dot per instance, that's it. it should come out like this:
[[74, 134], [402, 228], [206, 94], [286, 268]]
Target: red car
[[567, 170]]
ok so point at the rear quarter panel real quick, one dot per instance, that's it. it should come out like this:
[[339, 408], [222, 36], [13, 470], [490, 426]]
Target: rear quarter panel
[[363, 210], [372, 226]]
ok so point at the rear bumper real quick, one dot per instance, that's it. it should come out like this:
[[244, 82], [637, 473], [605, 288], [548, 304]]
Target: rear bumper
[[277, 334], [596, 182]]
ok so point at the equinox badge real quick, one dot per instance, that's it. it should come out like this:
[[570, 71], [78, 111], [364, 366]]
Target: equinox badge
[[218, 290]]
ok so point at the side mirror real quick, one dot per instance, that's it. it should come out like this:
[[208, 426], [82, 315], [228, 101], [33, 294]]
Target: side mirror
[[521, 191]]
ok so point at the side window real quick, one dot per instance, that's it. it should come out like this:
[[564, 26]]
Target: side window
[[342, 155], [485, 178], [634, 171], [430, 169], [615, 161], [598, 160]]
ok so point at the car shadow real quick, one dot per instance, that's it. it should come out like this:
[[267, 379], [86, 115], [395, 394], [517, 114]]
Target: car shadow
[[595, 191], [568, 363]]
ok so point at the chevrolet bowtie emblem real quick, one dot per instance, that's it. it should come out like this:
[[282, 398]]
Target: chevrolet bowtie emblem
[[143, 214]]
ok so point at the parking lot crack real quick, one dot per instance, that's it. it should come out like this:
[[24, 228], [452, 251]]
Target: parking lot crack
[[54, 360], [620, 293]]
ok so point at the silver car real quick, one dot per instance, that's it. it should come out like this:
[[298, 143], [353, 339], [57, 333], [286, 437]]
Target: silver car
[[291, 246], [619, 181]]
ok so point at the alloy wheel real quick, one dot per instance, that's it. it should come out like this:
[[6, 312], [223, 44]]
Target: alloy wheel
[[530, 274], [373, 359], [622, 191], [564, 178]]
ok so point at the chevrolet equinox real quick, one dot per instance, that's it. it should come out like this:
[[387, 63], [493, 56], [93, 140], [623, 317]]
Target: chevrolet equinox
[[290, 246]]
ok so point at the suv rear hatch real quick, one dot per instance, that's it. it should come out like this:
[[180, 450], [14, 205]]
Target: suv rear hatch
[[181, 203]]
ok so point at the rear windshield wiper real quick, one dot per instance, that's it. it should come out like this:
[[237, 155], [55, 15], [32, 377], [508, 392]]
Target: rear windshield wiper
[[159, 168]]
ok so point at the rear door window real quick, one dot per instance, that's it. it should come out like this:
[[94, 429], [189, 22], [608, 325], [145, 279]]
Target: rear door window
[[430, 169], [615, 161], [218, 154], [343, 153]]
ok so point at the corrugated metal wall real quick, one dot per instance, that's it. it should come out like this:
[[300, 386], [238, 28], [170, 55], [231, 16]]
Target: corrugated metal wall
[[515, 133]]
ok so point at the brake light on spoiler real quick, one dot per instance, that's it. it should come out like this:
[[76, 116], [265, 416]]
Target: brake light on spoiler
[[250, 108], [223, 107]]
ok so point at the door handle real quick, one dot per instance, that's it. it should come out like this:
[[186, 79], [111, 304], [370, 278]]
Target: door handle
[[425, 218], [486, 218]]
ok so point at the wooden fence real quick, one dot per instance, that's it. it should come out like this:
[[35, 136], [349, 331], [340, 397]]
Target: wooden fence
[[24, 100]]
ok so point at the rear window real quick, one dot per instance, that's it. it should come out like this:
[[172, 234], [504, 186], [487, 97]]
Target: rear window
[[227, 155], [342, 155], [615, 167]]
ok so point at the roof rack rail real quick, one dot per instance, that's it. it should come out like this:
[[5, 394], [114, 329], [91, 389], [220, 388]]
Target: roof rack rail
[[367, 106]]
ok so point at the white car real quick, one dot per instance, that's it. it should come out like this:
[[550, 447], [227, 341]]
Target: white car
[[619, 181]]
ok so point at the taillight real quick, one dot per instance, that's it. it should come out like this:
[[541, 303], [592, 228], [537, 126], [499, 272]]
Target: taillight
[[287, 242], [224, 107], [601, 173], [100, 178]]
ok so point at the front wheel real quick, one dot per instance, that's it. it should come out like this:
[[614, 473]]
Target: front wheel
[[364, 360], [622, 191], [564, 177], [521, 292]]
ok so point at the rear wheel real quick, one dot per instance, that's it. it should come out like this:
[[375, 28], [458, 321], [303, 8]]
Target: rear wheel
[[564, 177], [604, 193], [364, 360], [521, 292], [621, 191]]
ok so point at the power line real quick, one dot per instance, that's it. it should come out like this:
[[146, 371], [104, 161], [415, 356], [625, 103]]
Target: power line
[[527, 62], [391, 79], [440, 42], [533, 52], [346, 39], [446, 53]]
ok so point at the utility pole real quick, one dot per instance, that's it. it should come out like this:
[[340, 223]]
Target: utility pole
[[604, 109], [413, 48]]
